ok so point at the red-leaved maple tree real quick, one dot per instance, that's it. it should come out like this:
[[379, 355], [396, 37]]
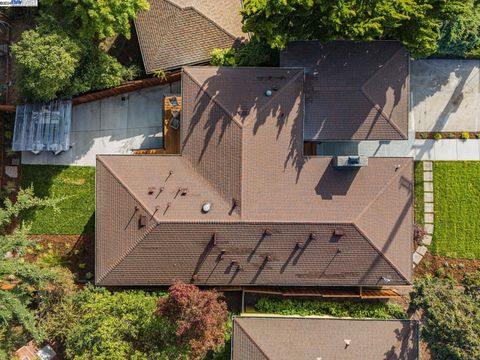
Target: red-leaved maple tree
[[200, 317]]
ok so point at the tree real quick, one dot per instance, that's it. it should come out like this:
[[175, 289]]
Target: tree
[[452, 319], [253, 53], [414, 22], [46, 63], [95, 323], [94, 19], [98, 70], [460, 33], [21, 282], [200, 317]]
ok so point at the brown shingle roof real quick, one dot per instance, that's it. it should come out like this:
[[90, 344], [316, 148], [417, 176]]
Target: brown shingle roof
[[242, 147], [174, 33], [292, 338], [353, 90]]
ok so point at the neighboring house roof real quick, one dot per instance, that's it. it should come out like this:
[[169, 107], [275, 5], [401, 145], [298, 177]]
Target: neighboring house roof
[[174, 33], [274, 210], [295, 338], [353, 90]]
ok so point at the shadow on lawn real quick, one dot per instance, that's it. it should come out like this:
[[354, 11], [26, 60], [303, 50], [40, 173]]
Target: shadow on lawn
[[81, 257]]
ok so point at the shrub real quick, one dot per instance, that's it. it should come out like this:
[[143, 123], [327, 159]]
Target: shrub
[[438, 136], [418, 233], [330, 308], [471, 282], [200, 317], [465, 135], [451, 319]]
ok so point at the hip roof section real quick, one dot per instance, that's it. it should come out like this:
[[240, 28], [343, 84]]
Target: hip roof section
[[292, 338], [242, 151], [174, 33], [353, 90]]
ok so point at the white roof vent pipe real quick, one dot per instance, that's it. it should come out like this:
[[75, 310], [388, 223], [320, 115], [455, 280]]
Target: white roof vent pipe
[[268, 93], [206, 207]]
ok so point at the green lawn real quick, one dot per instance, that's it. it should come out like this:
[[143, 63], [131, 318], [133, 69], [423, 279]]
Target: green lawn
[[76, 214], [457, 205], [419, 200]]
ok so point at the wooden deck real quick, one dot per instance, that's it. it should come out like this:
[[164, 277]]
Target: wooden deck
[[325, 293], [171, 137]]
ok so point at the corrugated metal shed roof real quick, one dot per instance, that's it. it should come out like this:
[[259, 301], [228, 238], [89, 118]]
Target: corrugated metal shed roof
[[43, 127]]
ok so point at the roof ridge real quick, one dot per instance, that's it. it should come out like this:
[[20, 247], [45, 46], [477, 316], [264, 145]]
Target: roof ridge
[[224, 108], [178, 12], [132, 247], [378, 107], [210, 20], [115, 176], [379, 194], [252, 339], [300, 71], [394, 267]]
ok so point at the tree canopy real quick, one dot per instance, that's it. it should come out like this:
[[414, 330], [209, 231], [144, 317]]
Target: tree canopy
[[416, 23], [452, 317], [46, 63], [21, 282], [94, 19]]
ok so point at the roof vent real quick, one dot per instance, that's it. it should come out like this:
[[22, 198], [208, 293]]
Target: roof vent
[[350, 162], [267, 232], [268, 93], [347, 342], [183, 191], [142, 221], [385, 279], [151, 189], [339, 232], [300, 245], [206, 207], [313, 236]]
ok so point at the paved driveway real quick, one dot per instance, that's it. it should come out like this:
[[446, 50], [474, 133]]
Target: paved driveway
[[115, 125], [445, 95]]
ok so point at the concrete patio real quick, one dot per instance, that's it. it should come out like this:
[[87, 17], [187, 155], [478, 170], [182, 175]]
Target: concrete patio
[[445, 95], [115, 125]]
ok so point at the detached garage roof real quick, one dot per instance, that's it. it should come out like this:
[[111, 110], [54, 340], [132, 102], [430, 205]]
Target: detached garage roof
[[353, 90], [175, 33], [277, 217], [296, 338]]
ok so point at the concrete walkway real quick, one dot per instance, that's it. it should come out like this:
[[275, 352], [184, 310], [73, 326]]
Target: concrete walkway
[[115, 125], [446, 149]]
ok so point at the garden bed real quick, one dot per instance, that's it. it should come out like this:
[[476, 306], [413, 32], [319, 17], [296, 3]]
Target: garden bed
[[443, 266], [74, 252], [447, 135]]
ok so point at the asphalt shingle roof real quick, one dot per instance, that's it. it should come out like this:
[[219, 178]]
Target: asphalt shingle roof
[[274, 211], [353, 90], [295, 338], [174, 33]]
